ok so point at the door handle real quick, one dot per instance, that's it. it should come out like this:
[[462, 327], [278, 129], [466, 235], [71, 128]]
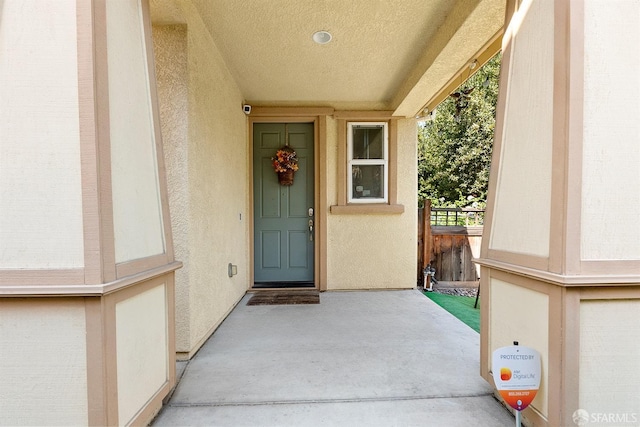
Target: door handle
[[310, 230]]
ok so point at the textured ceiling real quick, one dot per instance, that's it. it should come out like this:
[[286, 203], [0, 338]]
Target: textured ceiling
[[380, 57]]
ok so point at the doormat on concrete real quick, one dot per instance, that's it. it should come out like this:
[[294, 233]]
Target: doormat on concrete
[[285, 297]]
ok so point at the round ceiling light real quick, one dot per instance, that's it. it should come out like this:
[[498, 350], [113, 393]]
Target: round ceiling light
[[322, 37]]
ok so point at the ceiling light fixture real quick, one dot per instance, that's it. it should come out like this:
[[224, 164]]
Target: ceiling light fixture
[[322, 37]]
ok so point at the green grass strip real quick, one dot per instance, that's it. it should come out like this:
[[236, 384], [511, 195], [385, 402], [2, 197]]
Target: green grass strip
[[459, 306]]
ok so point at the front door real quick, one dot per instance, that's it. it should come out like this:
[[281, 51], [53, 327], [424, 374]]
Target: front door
[[283, 214]]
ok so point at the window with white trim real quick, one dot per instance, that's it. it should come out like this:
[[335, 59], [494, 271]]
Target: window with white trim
[[368, 162]]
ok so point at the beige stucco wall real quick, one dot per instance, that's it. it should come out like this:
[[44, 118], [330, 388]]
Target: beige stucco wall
[[207, 147], [611, 142], [39, 137], [141, 350], [520, 314], [170, 48], [523, 193], [610, 357], [44, 362], [137, 214], [375, 251]]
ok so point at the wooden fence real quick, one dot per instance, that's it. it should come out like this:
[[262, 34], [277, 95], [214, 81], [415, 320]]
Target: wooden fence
[[448, 248]]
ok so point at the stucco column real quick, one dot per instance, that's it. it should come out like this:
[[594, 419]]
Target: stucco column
[[86, 259], [206, 153], [560, 257]]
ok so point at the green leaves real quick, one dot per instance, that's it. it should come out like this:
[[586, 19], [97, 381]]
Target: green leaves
[[454, 147]]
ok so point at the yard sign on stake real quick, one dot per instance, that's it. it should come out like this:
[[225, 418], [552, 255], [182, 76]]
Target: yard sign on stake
[[516, 373]]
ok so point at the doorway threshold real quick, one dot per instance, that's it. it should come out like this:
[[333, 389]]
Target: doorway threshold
[[283, 285]]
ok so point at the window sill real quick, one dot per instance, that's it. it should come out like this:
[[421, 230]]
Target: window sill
[[369, 208]]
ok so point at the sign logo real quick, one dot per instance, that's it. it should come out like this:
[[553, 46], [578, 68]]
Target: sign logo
[[580, 417], [516, 373], [505, 374]]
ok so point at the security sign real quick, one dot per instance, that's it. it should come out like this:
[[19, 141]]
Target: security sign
[[516, 372]]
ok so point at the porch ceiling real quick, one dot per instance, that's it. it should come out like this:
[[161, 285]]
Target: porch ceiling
[[391, 54]]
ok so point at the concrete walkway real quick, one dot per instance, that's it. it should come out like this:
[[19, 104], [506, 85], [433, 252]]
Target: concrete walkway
[[379, 358]]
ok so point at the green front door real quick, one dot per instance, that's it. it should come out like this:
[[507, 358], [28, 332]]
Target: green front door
[[283, 214]]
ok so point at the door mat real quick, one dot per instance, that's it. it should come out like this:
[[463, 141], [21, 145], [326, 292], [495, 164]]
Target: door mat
[[284, 297]]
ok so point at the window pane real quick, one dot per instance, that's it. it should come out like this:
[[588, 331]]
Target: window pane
[[368, 142], [368, 182]]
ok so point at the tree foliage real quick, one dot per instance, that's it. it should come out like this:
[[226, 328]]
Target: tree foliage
[[454, 147]]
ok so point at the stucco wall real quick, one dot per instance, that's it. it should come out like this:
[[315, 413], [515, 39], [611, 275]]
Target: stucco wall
[[523, 194], [137, 215], [611, 141], [44, 362], [218, 184], [170, 48], [520, 314], [39, 136], [375, 251], [141, 344], [209, 178]]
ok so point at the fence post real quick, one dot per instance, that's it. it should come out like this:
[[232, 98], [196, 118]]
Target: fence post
[[426, 234], [420, 245]]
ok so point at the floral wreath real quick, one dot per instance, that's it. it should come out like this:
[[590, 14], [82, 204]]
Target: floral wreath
[[285, 159]]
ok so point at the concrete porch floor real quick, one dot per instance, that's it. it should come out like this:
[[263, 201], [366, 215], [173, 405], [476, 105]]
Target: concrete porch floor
[[377, 358]]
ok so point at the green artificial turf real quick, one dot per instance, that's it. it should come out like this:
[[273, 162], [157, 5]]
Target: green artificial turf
[[459, 306]]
